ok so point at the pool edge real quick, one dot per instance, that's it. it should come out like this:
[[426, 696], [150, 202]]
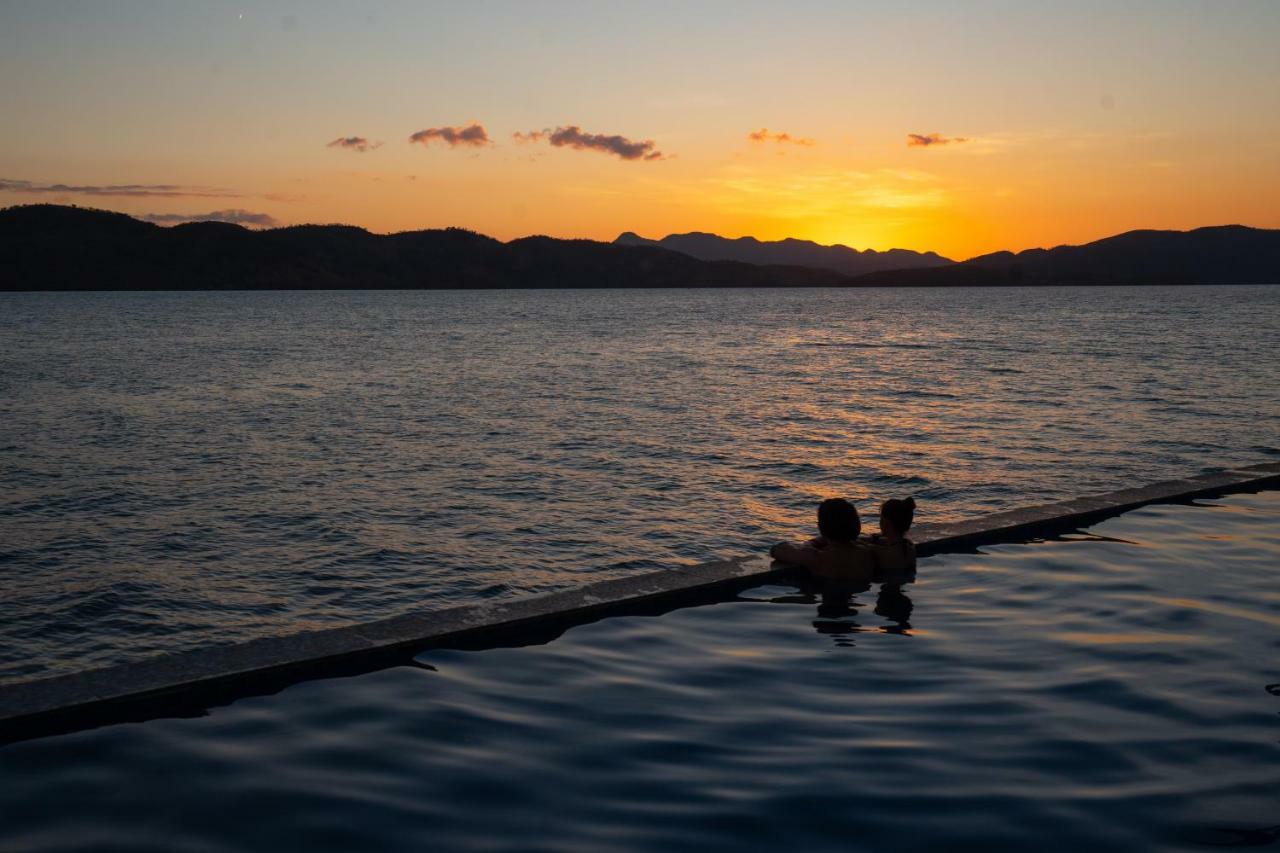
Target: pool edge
[[190, 682]]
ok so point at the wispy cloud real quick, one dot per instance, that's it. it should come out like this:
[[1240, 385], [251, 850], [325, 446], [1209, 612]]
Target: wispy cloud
[[1055, 140], [354, 143], [131, 190], [234, 216], [471, 136], [572, 136], [924, 140], [764, 135]]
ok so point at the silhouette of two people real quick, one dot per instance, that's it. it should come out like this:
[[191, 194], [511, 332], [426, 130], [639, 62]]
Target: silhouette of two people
[[840, 562]]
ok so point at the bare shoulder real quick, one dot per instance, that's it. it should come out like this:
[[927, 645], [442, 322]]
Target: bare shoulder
[[894, 556]]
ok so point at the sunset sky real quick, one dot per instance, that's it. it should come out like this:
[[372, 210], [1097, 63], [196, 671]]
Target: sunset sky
[[957, 127]]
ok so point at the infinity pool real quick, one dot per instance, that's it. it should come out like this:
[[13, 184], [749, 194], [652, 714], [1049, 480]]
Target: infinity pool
[[1118, 689]]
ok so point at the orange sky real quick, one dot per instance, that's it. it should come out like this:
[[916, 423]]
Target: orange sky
[[1057, 125]]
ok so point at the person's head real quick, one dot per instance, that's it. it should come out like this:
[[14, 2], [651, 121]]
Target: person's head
[[896, 516], [838, 520]]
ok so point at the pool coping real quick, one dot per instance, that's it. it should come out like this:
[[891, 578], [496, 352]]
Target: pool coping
[[190, 682]]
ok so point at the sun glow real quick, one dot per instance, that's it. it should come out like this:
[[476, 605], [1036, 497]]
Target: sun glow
[[779, 131]]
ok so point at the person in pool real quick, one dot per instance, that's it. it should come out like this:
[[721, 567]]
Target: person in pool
[[836, 553], [894, 552]]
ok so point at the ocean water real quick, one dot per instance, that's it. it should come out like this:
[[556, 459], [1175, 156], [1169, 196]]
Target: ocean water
[[181, 469], [1114, 690]]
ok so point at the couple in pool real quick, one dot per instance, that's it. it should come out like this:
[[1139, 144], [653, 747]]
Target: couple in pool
[[839, 552]]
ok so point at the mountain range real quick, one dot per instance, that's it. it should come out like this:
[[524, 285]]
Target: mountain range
[[841, 259], [54, 247], [1222, 254]]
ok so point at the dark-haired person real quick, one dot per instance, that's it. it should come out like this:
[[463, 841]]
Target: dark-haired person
[[836, 554], [894, 552]]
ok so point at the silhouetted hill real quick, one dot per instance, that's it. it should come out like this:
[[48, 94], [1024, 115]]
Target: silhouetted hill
[[1224, 254], [842, 259], [51, 247]]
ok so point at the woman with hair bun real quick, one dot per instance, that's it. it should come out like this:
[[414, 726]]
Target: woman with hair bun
[[893, 550]]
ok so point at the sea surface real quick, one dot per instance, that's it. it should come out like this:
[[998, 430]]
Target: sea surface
[[1113, 690], [182, 469]]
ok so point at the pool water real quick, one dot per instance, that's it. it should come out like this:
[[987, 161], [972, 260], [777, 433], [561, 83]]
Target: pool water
[[1116, 689]]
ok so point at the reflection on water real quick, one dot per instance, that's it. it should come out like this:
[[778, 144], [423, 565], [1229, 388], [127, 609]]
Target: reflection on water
[[838, 605], [838, 609], [790, 717], [182, 469], [895, 606]]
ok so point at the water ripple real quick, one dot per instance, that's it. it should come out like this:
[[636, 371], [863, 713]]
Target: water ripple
[[267, 449], [1107, 691]]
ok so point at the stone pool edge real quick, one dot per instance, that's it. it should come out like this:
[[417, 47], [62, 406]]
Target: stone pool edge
[[119, 693]]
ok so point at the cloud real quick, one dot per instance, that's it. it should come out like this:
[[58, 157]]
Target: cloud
[[473, 136], [234, 216], [924, 140], [354, 143], [133, 190], [573, 137], [763, 135]]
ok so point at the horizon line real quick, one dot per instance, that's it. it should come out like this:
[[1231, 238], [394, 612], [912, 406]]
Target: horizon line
[[534, 235]]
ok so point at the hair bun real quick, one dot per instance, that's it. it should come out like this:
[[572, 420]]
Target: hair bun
[[911, 502]]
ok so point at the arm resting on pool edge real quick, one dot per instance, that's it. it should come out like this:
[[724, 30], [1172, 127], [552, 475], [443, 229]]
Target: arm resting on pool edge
[[805, 556]]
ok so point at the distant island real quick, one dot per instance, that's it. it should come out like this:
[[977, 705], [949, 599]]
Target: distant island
[[54, 247]]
